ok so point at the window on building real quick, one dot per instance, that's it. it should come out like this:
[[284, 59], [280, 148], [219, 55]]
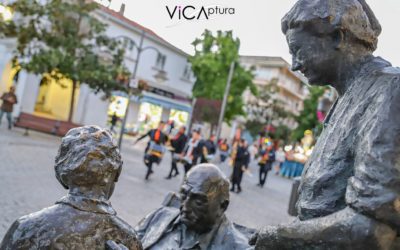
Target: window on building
[[179, 117], [160, 62], [187, 73]]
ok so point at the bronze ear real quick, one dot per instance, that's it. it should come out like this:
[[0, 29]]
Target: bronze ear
[[63, 181], [339, 38], [224, 205], [118, 174]]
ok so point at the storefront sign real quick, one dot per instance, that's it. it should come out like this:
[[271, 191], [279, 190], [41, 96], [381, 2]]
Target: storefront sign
[[161, 92]]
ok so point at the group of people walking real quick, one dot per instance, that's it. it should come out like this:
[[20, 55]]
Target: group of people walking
[[190, 149], [185, 150], [241, 158]]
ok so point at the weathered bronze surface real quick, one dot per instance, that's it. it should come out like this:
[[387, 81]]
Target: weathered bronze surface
[[88, 164], [200, 222], [349, 194]]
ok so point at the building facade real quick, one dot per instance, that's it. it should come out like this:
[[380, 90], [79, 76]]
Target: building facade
[[291, 90], [165, 98]]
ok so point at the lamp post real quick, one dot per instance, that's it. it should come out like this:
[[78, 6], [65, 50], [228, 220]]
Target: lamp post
[[225, 100], [140, 50]]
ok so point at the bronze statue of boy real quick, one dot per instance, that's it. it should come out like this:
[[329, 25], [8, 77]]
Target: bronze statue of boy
[[87, 164], [350, 189]]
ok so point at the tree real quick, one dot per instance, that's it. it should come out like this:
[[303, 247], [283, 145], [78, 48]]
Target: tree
[[282, 132], [207, 110], [6, 27], [211, 63], [63, 39], [265, 109], [307, 119]]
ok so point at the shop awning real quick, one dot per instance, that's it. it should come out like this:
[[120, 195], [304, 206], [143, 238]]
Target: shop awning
[[165, 102], [158, 100]]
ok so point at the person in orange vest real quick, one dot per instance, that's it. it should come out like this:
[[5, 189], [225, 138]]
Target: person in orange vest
[[155, 147], [223, 150]]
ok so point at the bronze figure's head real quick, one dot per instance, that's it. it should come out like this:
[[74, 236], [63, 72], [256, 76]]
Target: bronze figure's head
[[88, 162], [205, 197], [325, 36]]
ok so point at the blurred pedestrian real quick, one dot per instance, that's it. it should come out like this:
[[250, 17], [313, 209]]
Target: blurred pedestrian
[[209, 151], [9, 99], [223, 150], [280, 159], [234, 147], [193, 150], [155, 147], [240, 165], [169, 127], [114, 119], [267, 156], [178, 143]]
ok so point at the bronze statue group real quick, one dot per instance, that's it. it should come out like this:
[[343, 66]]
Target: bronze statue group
[[349, 196], [88, 165]]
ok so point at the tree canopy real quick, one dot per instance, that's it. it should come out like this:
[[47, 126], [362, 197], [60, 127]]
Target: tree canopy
[[64, 39], [211, 63], [307, 119]]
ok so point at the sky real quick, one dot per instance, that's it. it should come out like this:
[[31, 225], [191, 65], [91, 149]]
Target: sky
[[255, 22]]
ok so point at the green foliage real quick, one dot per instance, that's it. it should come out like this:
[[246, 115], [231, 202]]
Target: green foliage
[[7, 28], [211, 63], [307, 119], [63, 39], [254, 127], [282, 132], [266, 109]]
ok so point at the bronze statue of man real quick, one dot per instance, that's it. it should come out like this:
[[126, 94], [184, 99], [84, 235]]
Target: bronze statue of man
[[200, 222], [349, 197], [88, 164]]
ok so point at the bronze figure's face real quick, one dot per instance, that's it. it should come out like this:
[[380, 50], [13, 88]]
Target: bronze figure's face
[[205, 197], [313, 55], [325, 41]]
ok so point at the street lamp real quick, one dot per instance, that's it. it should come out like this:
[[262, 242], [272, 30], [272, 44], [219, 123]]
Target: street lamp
[[225, 100], [140, 49]]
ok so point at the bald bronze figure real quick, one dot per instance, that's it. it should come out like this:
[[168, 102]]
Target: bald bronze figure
[[88, 164], [350, 188], [199, 221]]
